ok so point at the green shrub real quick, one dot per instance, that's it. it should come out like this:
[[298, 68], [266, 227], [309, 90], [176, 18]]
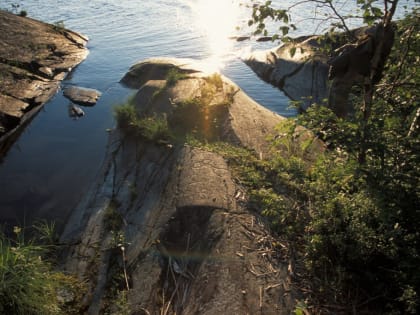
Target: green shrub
[[349, 244], [126, 116], [153, 128], [173, 76]]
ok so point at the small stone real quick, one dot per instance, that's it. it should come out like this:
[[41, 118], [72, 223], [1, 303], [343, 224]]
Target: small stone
[[75, 111]]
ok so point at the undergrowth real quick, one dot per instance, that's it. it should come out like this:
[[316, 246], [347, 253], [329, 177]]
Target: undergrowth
[[344, 244], [152, 128], [29, 285]]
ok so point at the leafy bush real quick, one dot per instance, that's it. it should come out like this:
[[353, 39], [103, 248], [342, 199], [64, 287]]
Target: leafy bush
[[354, 250], [357, 230], [216, 80]]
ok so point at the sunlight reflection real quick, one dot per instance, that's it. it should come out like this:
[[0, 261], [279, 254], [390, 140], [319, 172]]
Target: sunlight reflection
[[217, 20]]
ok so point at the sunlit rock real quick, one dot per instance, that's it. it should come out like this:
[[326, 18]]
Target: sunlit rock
[[306, 73], [33, 57], [171, 210], [82, 96], [297, 69]]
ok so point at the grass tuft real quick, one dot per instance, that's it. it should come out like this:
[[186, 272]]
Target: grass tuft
[[28, 284], [173, 76]]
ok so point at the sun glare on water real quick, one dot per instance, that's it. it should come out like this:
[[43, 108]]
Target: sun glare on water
[[216, 20]]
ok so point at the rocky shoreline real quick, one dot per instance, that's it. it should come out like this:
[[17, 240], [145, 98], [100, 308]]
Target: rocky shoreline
[[167, 223], [34, 58], [307, 72], [172, 212]]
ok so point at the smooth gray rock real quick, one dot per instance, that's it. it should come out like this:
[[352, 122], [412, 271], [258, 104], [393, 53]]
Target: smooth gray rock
[[180, 206], [305, 73], [302, 75], [82, 96], [75, 111]]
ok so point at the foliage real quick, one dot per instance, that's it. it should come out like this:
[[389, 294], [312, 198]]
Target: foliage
[[118, 281], [201, 116], [121, 303], [216, 80], [125, 115], [354, 223], [46, 232], [59, 27], [352, 226], [152, 128], [370, 11], [28, 283], [173, 76], [344, 242]]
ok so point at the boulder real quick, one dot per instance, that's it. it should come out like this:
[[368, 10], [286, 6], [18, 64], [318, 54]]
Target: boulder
[[298, 69], [173, 212], [304, 71], [34, 57], [82, 96]]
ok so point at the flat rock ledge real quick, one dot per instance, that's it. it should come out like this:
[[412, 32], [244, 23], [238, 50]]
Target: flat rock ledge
[[82, 96], [188, 240], [34, 58]]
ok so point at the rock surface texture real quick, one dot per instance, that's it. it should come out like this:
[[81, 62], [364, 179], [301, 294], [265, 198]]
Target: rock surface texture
[[302, 76], [311, 76], [173, 215], [34, 58], [82, 96]]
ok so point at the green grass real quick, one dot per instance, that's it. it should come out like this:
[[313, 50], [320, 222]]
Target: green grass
[[152, 128], [201, 116], [125, 115], [215, 80], [28, 283], [155, 128], [173, 76]]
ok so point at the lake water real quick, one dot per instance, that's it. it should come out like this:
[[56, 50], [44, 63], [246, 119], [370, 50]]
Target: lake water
[[56, 158]]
